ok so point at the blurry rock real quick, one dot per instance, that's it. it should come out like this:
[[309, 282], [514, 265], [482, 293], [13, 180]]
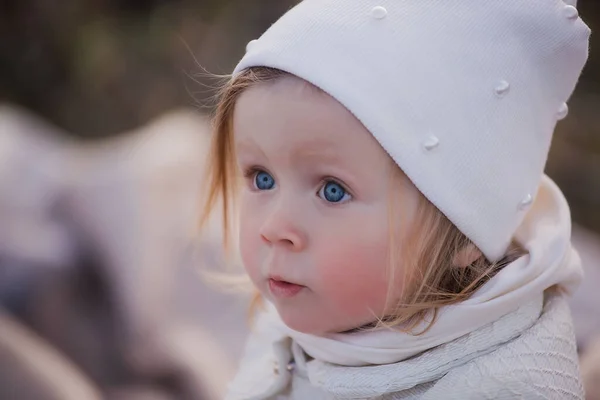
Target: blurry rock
[[585, 303], [31, 369], [127, 211], [31, 180], [202, 365], [139, 393], [136, 199], [590, 369]]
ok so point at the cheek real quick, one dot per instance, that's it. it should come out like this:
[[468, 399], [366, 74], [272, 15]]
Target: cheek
[[250, 243], [353, 274]]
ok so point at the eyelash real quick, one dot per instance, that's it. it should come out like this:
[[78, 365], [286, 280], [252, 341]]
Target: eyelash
[[251, 171], [250, 174]]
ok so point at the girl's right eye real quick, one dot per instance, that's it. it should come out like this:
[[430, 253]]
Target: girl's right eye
[[263, 181]]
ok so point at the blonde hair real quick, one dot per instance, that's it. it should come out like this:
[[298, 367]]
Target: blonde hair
[[432, 279]]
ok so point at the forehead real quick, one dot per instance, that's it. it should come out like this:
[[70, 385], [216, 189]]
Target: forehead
[[290, 114]]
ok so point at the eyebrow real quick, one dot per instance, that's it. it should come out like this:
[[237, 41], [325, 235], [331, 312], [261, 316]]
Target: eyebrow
[[250, 145], [316, 149]]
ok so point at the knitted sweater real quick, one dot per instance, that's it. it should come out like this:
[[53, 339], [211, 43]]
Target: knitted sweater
[[523, 355]]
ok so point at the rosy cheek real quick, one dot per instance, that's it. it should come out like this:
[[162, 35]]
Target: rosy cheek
[[358, 294], [353, 278]]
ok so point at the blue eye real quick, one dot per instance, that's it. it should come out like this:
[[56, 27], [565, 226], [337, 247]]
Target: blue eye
[[263, 181], [333, 192]]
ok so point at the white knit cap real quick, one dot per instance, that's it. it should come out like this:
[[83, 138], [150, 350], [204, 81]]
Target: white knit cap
[[463, 94]]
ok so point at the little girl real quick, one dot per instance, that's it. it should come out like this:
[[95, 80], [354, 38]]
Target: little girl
[[386, 158]]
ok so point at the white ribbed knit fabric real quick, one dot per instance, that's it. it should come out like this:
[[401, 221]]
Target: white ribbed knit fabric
[[464, 95], [516, 357]]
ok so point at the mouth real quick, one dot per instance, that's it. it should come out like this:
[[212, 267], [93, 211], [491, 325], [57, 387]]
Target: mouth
[[284, 289]]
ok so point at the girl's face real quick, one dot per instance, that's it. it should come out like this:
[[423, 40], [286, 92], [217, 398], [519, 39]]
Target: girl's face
[[315, 226]]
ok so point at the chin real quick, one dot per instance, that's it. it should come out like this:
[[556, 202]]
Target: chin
[[302, 323]]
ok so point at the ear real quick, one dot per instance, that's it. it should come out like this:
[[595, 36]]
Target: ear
[[466, 256]]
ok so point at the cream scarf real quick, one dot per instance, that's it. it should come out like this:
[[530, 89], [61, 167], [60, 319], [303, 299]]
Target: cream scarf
[[545, 234]]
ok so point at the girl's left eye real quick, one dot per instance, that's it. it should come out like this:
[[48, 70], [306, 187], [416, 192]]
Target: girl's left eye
[[263, 181], [333, 192]]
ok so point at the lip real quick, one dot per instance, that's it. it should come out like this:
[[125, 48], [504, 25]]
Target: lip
[[283, 289]]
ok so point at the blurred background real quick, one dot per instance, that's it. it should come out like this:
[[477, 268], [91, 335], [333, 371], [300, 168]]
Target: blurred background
[[103, 135]]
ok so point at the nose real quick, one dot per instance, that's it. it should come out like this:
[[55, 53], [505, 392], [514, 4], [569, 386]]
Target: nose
[[282, 228]]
